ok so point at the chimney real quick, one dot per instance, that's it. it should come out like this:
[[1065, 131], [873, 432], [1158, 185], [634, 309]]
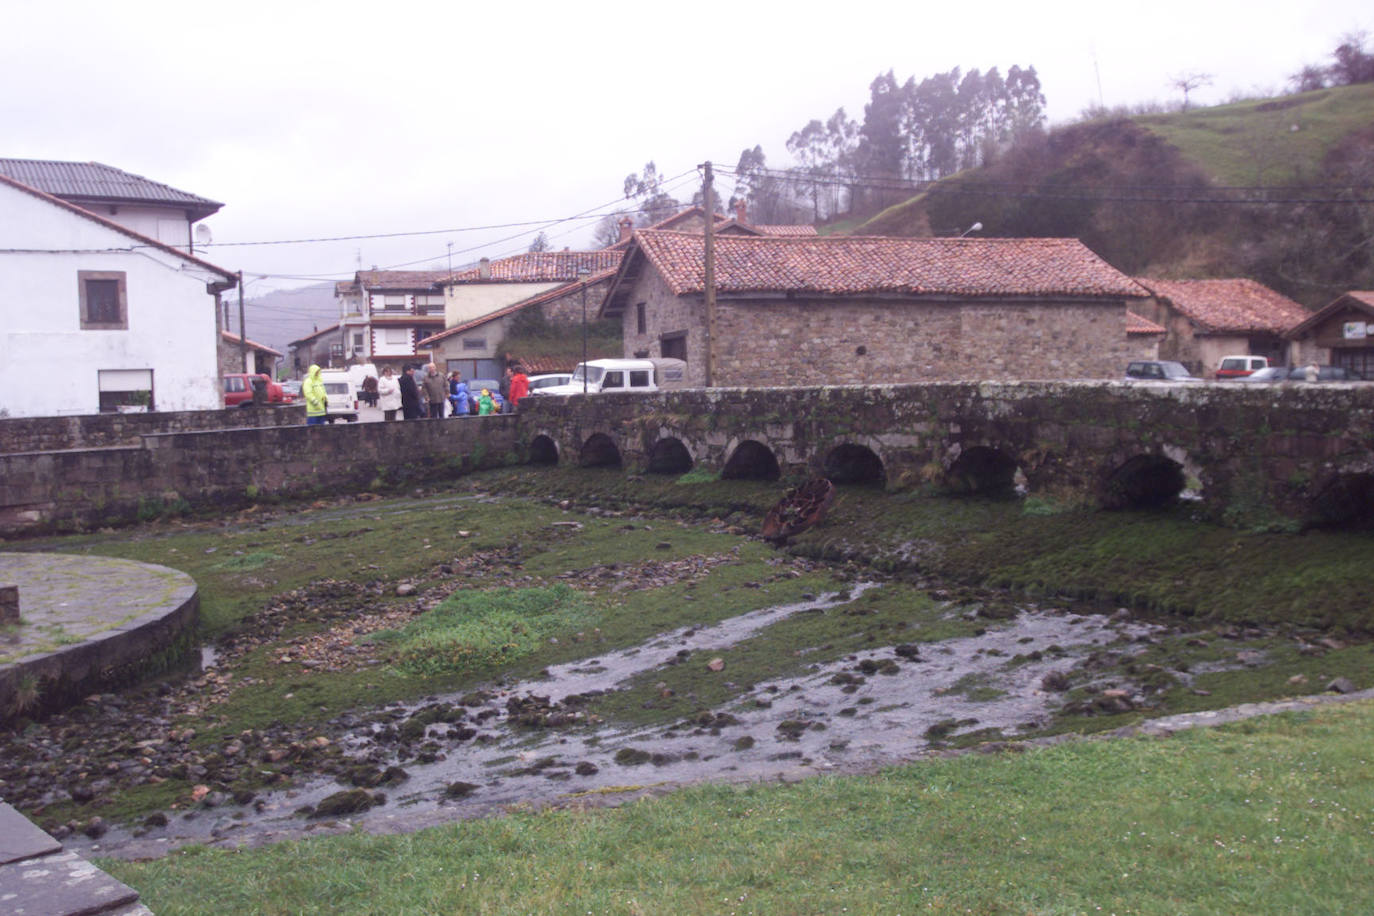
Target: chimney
[[484, 268], [627, 229], [739, 211]]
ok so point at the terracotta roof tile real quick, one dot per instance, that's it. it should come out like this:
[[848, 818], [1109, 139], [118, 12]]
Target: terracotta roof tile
[[846, 265], [1364, 295], [252, 344], [551, 295], [1138, 324], [543, 267], [537, 364], [1229, 305], [785, 231]]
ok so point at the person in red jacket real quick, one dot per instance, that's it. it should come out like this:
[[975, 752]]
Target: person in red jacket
[[519, 386]]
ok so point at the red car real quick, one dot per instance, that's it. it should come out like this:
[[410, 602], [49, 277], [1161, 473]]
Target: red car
[[1240, 366], [238, 390]]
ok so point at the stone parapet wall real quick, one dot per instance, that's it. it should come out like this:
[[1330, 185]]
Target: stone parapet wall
[[47, 434], [173, 473], [1256, 454]]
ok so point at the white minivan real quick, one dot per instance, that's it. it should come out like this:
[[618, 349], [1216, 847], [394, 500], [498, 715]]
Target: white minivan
[[598, 376], [341, 395]]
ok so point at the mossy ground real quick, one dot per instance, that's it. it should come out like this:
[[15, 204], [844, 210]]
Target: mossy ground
[[654, 553]]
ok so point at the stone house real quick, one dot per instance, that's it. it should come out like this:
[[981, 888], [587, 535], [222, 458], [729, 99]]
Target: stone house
[[870, 310], [321, 347], [1208, 319], [482, 301], [261, 358], [1340, 333]]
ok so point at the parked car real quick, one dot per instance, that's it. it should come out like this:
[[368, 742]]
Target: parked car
[[238, 389], [291, 387], [1325, 374], [1299, 374], [341, 398], [1240, 366], [538, 383], [600, 375], [1267, 374], [1158, 370], [475, 386]]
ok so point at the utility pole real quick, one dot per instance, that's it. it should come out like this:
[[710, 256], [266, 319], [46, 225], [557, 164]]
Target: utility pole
[[243, 334], [582, 274], [708, 202]]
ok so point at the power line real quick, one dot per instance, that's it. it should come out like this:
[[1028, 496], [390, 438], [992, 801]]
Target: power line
[[590, 213], [668, 184], [1258, 195]]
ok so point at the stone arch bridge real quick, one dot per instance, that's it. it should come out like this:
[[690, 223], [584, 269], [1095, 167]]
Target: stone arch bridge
[[1252, 455]]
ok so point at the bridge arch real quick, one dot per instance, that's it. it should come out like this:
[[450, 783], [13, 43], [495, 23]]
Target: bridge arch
[[852, 463], [1144, 481], [669, 455], [1345, 500], [984, 470], [599, 451], [751, 460], [543, 450]]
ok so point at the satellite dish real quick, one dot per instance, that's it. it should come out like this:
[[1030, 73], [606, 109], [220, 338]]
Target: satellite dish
[[203, 236]]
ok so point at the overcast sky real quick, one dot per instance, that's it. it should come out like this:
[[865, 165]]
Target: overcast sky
[[312, 120]]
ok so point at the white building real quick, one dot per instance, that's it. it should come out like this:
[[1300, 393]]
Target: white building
[[95, 315]]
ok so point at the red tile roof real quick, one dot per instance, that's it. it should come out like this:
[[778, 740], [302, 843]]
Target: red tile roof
[[536, 364], [1137, 324], [847, 265], [722, 224], [551, 295], [785, 231], [1234, 305], [252, 345], [542, 267]]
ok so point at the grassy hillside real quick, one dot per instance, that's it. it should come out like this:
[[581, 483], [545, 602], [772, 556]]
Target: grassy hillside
[[1143, 193], [1268, 142]]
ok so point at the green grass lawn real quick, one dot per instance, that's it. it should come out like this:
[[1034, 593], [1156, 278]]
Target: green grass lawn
[[1267, 142], [1272, 815], [1254, 817]]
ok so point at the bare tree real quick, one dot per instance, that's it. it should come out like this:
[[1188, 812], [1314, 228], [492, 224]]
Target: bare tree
[[1188, 81]]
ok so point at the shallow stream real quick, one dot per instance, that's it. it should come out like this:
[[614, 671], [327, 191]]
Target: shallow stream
[[880, 706]]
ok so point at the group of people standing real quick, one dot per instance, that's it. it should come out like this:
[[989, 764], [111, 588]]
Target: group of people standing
[[426, 397]]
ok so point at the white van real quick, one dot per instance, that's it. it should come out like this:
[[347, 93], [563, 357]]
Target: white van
[[341, 395], [601, 375]]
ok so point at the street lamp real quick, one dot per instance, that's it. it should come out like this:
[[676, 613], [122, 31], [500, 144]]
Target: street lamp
[[976, 227], [582, 273]]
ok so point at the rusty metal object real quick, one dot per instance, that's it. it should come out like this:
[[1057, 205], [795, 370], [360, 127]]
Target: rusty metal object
[[799, 509]]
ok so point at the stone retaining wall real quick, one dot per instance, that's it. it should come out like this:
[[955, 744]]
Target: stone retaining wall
[[173, 473], [48, 434]]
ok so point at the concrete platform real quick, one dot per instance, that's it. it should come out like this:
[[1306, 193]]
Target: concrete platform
[[39, 878], [87, 624]]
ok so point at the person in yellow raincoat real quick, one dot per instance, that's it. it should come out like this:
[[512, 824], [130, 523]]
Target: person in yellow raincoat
[[485, 404], [316, 400]]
